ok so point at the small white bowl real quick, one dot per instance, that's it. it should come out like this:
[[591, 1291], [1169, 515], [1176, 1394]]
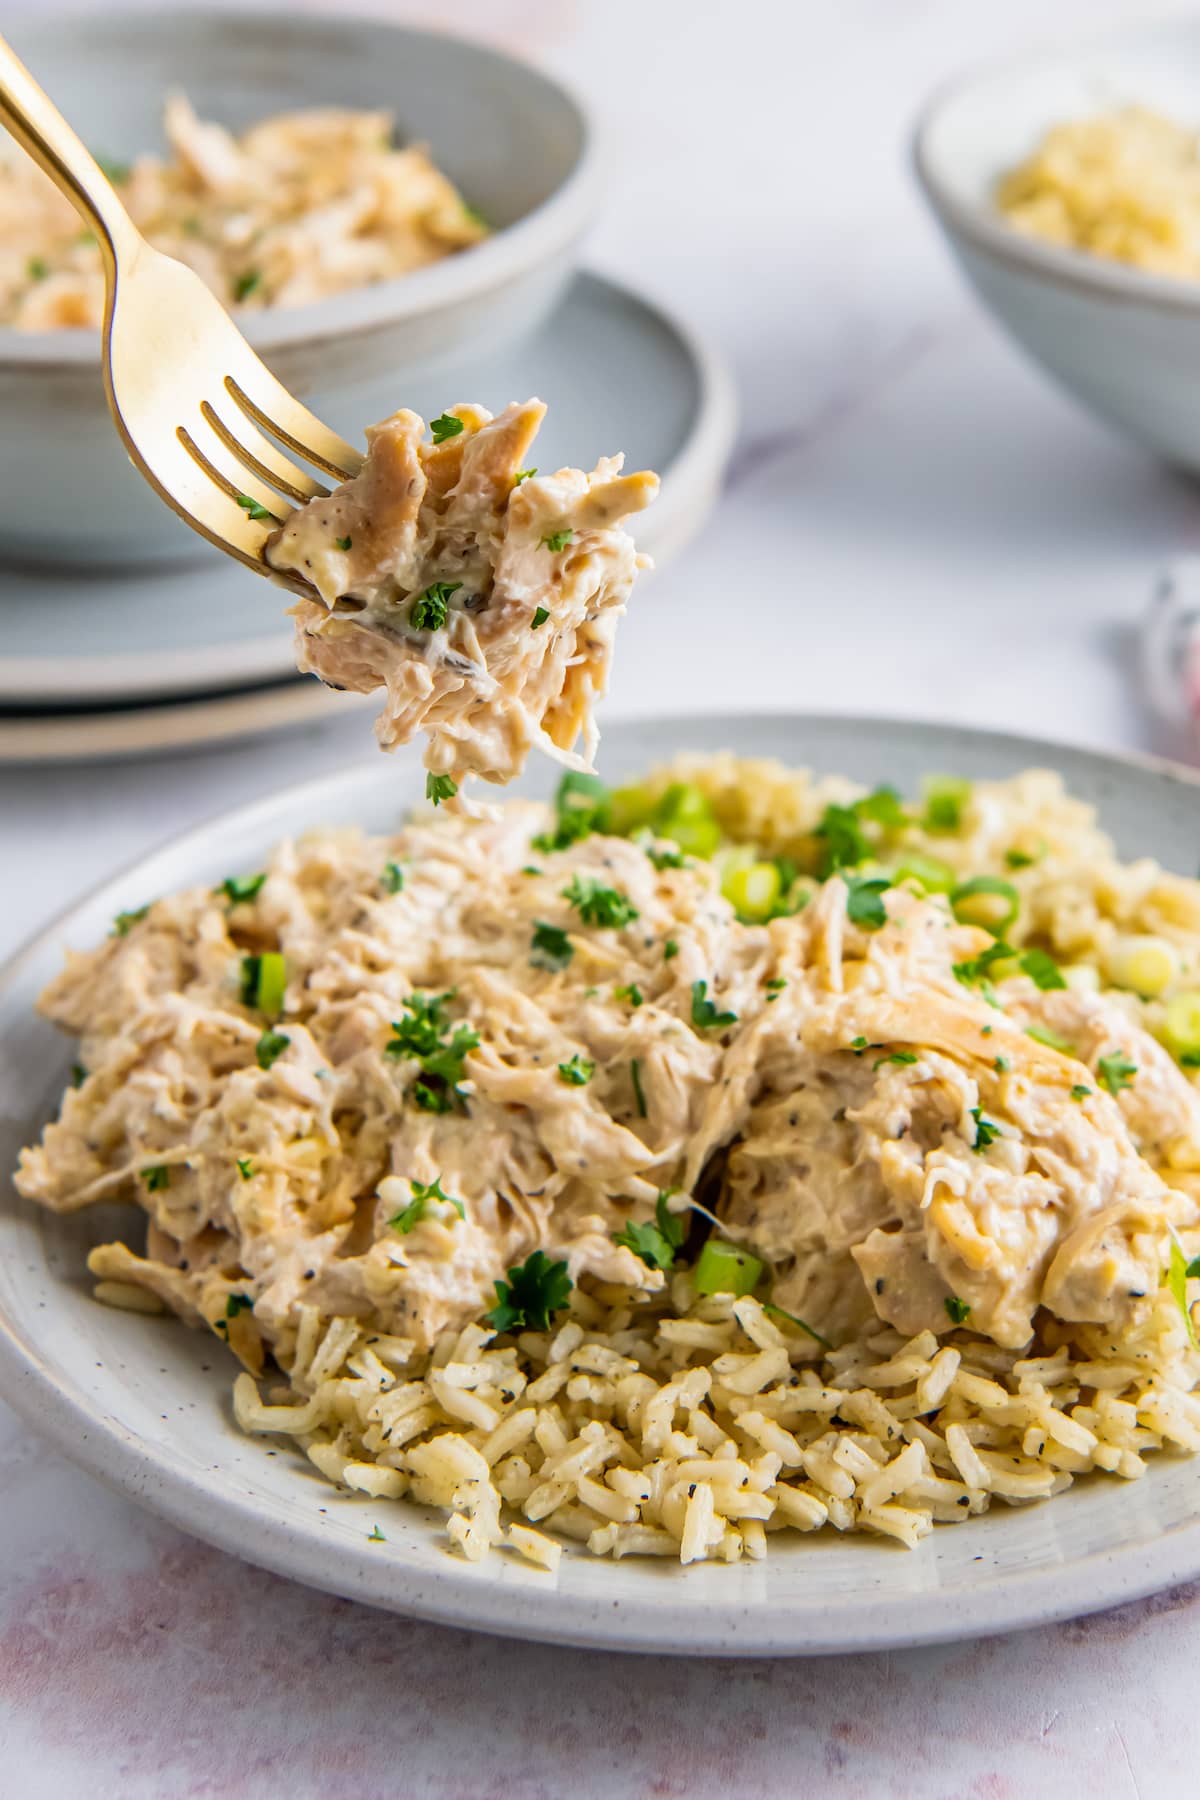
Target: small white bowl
[[518, 145], [1125, 342]]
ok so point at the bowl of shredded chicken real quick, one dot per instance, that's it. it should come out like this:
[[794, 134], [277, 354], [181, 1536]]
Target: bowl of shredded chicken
[[731, 1154]]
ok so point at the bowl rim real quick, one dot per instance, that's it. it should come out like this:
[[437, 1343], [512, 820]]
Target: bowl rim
[[1098, 277], [469, 275]]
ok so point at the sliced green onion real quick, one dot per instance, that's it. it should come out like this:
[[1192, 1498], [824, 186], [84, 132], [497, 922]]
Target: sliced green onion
[[1052, 1040], [753, 892], [685, 815], [264, 981], [929, 873], [988, 901], [945, 798], [724, 1269], [1181, 1028]]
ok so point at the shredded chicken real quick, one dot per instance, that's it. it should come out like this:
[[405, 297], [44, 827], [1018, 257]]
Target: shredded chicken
[[482, 595], [300, 206]]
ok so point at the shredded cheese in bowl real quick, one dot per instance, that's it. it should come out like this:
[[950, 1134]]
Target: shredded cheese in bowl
[[300, 206], [733, 1154]]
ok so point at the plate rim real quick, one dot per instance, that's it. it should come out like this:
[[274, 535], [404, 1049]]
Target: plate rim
[[662, 1620]]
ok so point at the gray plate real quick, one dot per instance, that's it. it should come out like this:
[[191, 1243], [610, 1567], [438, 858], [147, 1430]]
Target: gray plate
[[144, 1404]]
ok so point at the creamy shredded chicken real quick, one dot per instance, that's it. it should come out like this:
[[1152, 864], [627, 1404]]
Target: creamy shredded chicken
[[300, 206], [482, 595], [486, 1040]]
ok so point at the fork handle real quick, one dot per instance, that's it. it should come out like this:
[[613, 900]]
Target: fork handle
[[38, 126]]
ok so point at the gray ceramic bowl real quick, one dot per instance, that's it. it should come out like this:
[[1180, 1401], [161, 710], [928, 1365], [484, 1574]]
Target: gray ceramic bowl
[[517, 144], [1124, 342]]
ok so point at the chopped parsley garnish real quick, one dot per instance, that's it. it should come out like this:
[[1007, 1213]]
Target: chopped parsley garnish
[[1079, 1092], [1002, 1065], [635, 1076], [632, 993], [240, 888], [255, 509], [558, 540], [775, 985], [376, 1536], [540, 616], [125, 921], [781, 1312], [523, 475], [884, 807], [422, 1036], [897, 1056], [577, 1072], [978, 970], [1021, 859], [392, 879], [1176, 1275], [581, 807], [1042, 970], [157, 1177], [986, 1130], [346, 543], [959, 1310], [705, 1016], [1115, 1071], [78, 1075], [598, 904], [444, 426], [422, 1194], [535, 1289], [270, 1047], [670, 949], [864, 901], [664, 856], [246, 284], [550, 947], [37, 268], [843, 841], [238, 1303], [245, 1167], [1041, 1034], [431, 607], [657, 1243], [439, 788]]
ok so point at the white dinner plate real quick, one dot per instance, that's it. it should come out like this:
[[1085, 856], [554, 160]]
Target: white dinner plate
[[144, 1403], [617, 372]]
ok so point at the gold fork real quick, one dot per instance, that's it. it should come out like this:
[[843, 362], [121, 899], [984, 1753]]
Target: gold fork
[[188, 395]]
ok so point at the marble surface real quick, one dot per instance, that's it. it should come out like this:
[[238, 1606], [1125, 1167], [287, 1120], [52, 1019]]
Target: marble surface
[[915, 523]]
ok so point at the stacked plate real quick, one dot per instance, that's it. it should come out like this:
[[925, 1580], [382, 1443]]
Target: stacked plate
[[114, 664]]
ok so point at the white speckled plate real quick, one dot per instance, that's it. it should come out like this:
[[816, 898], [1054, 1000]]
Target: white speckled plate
[[617, 373], [144, 1403]]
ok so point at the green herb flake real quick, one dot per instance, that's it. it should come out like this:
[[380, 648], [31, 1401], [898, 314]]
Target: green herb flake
[[632, 993], [539, 618], [124, 922], [245, 1168], [534, 1291], [550, 947], [78, 1075], [577, 1072], [897, 1056], [238, 1303], [705, 1016], [1021, 859], [665, 856], [958, 1310], [392, 879], [270, 1047], [238, 889], [346, 543], [883, 807], [156, 1177], [657, 1243], [975, 972], [598, 904], [421, 1036], [37, 268], [431, 607], [841, 840], [1042, 970], [523, 475], [581, 807], [422, 1194], [780, 1312], [256, 510], [1002, 1065], [376, 1536], [670, 950], [1115, 1071], [1176, 1277], [635, 1076], [946, 796], [1080, 1092], [864, 901], [986, 1130], [558, 540], [439, 788], [247, 284], [444, 426], [1053, 1040]]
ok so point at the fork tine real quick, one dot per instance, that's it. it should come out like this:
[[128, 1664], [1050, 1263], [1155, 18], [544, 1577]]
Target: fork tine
[[228, 472], [286, 419], [261, 457]]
